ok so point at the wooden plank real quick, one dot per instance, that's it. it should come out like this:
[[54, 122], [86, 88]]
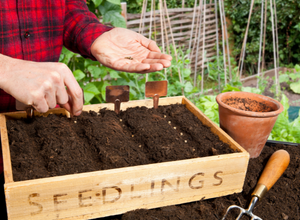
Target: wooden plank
[[7, 169], [116, 191], [22, 114]]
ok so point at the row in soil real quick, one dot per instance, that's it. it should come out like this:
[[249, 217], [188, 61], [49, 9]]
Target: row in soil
[[56, 145]]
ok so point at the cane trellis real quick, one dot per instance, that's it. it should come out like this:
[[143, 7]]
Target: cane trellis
[[184, 27]]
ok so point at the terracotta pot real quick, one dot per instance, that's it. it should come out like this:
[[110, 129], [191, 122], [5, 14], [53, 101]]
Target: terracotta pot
[[250, 129]]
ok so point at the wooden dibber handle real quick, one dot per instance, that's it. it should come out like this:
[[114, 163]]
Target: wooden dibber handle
[[275, 167]]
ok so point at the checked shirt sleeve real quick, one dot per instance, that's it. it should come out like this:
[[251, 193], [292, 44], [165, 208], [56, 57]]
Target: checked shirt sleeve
[[81, 28]]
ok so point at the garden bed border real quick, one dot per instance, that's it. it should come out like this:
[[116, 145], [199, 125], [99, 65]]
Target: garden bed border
[[116, 191]]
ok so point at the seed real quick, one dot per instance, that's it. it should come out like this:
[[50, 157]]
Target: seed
[[75, 122], [120, 120], [175, 128], [165, 116], [185, 141], [181, 133], [132, 135], [140, 145], [169, 122]]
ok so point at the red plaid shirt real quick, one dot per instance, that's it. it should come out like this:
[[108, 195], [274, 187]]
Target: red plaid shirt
[[37, 30]]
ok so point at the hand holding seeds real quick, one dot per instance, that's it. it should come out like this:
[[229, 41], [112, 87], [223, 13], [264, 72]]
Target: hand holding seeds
[[125, 50]]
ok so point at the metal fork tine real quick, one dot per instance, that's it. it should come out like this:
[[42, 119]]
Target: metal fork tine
[[256, 218], [242, 211], [240, 215]]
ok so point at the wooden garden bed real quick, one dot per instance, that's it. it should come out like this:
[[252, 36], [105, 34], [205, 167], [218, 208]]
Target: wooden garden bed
[[115, 191]]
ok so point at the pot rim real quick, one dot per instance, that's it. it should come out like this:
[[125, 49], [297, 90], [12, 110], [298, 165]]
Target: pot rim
[[249, 113]]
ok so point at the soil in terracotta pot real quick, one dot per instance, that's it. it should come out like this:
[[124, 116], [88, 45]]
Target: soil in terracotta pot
[[282, 202], [247, 104], [56, 145]]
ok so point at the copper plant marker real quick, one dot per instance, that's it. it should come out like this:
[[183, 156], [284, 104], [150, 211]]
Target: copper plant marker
[[116, 95], [156, 89], [23, 107]]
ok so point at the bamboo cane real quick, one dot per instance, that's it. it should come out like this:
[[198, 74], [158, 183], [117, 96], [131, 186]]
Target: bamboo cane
[[260, 41], [217, 42], [174, 45], [162, 31], [192, 29], [198, 41], [199, 17], [265, 29], [242, 55], [203, 45], [227, 44], [143, 16], [223, 43], [274, 48], [276, 32], [150, 29]]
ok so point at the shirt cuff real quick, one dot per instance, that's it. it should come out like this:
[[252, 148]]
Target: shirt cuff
[[89, 34]]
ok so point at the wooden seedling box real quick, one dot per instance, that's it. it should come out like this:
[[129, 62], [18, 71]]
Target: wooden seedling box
[[116, 191]]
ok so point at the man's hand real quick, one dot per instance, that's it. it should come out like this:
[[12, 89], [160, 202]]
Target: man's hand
[[125, 50], [41, 84]]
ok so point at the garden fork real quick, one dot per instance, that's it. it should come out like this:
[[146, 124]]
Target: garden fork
[[275, 167]]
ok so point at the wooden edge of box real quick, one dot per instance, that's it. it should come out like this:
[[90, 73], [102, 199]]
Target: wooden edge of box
[[53, 196], [7, 168], [22, 114], [123, 169]]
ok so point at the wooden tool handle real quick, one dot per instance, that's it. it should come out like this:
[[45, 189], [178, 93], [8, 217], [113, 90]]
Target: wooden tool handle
[[275, 167]]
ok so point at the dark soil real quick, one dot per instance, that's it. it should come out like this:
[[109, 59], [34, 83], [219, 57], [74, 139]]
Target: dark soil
[[247, 104], [281, 202], [56, 145]]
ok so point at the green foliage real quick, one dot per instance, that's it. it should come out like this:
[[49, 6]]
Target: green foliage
[[135, 81], [135, 6], [108, 10], [216, 70], [284, 130], [292, 79], [89, 74], [288, 31], [209, 106], [111, 12]]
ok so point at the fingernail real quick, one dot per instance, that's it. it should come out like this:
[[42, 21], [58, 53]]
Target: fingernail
[[78, 113]]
